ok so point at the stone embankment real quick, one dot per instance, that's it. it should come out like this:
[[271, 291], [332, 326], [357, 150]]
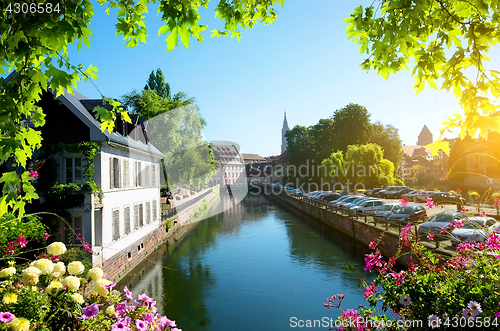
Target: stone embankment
[[362, 230]]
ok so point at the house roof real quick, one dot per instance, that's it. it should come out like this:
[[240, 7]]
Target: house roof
[[252, 157], [74, 103]]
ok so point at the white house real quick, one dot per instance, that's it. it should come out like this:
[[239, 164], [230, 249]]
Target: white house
[[127, 170]]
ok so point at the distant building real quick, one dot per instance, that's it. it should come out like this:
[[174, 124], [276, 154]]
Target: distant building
[[284, 144], [482, 166], [425, 137], [232, 170], [435, 166]]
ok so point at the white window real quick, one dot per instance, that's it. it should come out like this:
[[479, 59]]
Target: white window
[[77, 225], [134, 174], [73, 173]]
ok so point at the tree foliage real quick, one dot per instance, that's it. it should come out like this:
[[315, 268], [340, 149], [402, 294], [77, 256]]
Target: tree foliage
[[156, 81], [387, 137], [360, 164], [36, 46], [300, 145], [351, 126], [445, 43]]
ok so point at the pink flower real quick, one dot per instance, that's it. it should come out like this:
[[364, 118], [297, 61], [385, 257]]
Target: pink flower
[[404, 201], [6, 317], [459, 223], [429, 203], [46, 235], [21, 241], [33, 174], [430, 236], [497, 314], [372, 245]]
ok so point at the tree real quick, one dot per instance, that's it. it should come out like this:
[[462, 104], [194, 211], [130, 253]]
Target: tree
[[36, 47], [388, 138], [300, 145], [323, 137], [157, 83], [446, 44], [351, 126], [361, 164]]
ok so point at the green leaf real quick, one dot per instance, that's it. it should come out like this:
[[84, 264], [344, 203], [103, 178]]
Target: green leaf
[[172, 39]]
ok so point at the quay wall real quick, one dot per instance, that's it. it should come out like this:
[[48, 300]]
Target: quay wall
[[354, 228]]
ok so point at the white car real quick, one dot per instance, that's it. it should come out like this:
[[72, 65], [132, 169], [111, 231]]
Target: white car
[[475, 228], [366, 207]]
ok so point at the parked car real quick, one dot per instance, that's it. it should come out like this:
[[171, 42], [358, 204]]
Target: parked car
[[367, 207], [475, 228], [389, 189], [372, 193], [437, 223], [330, 197], [346, 205], [381, 214], [350, 199], [423, 195], [411, 196], [446, 197], [397, 194], [318, 195], [298, 191], [289, 189], [335, 203], [409, 214], [309, 194]]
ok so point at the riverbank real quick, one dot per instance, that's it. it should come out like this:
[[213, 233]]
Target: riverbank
[[359, 229]]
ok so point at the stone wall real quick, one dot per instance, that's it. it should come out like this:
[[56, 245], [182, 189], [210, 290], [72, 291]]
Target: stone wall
[[120, 264], [356, 229]]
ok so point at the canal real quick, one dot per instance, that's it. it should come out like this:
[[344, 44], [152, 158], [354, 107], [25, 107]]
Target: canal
[[254, 266]]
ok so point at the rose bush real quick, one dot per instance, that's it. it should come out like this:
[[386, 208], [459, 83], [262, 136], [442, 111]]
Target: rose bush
[[48, 295]]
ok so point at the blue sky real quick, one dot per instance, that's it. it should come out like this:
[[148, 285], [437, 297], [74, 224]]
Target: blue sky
[[303, 64]]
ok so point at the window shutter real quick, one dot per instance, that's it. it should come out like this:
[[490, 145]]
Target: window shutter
[[111, 173], [126, 216], [136, 216], [154, 210], [134, 174], [116, 171], [153, 175], [116, 224], [126, 178], [141, 215], [146, 176], [148, 212]]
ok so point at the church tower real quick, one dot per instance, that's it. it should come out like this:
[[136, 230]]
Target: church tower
[[425, 137], [284, 144]]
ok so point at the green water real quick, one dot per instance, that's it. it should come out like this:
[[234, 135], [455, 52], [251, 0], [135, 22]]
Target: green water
[[253, 267]]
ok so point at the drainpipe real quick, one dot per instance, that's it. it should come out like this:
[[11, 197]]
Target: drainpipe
[[107, 140]]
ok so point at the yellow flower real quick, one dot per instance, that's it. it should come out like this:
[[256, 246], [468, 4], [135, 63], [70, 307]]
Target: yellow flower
[[78, 298], [54, 287], [7, 272], [58, 248], [60, 267], [46, 266], [72, 283], [110, 311], [20, 324], [55, 275], [100, 290], [95, 273], [9, 298], [30, 275], [75, 268]]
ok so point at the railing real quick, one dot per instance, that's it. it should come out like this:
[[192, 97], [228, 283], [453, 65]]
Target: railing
[[169, 213]]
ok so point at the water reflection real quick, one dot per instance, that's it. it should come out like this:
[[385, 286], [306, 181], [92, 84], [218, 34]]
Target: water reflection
[[252, 266]]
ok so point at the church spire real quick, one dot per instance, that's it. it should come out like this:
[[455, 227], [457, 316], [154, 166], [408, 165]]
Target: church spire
[[284, 144]]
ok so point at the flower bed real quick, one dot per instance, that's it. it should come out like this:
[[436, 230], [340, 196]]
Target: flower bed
[[50, 295]]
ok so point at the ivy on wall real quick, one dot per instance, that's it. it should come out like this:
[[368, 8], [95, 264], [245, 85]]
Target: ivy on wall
[[48, 173]]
